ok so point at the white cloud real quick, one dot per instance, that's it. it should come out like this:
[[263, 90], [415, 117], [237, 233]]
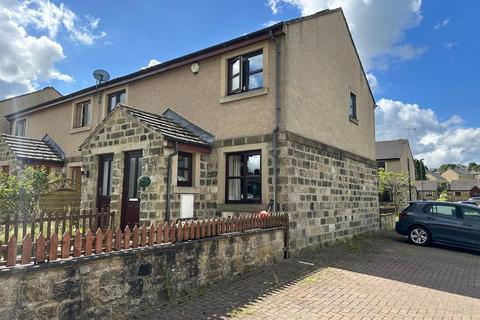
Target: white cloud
[[151, 63], [28, 46], [45, 15], [435, 140], [378, 26], [373, 82], [270, 23], [451, 45], [441, 24]]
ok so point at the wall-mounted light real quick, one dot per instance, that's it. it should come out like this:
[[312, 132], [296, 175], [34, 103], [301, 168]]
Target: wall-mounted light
[[195, 67], [84, 171]]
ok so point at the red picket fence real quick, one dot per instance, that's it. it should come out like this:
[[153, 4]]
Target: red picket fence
[[104, 241], [49, 223]]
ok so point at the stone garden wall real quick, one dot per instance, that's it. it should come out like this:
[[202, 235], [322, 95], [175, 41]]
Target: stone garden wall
[[330, 194], [119, 285]]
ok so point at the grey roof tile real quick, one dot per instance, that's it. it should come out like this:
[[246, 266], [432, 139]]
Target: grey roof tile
[[462, 185], [165, 126], [390, 149], [31, 149]]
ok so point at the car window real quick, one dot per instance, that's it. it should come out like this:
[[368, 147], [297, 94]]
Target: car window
[[442, 210], [471, 214]]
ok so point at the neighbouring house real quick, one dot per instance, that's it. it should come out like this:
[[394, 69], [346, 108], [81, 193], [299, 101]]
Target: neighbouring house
[[17, 152], [461, 190], [434, 176], [396, 156], [21, 102], [427, 190], [458, 174], [282, 117]]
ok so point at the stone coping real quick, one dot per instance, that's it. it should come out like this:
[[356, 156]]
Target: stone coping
[[60, 263], [290, 136]]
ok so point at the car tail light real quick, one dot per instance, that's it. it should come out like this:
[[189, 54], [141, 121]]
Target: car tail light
[[402, 215]]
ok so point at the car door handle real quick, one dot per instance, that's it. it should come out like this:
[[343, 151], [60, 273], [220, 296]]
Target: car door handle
[[468, 225], [430, 218]]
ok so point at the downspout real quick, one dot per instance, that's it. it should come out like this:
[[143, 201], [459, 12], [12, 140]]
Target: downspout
[[277, 120], [169, 181]]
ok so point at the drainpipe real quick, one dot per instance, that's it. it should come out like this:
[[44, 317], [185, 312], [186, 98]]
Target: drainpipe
[[169, 181], [277, 120]]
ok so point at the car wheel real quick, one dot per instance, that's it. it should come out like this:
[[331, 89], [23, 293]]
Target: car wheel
[[419, 236]]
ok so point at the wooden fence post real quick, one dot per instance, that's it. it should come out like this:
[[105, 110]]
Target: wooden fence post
[[40, 249], [26, 249]]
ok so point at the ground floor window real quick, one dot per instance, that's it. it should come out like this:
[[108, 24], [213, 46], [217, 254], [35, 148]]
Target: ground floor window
[[76, 175], [243, 178], [184, 169]]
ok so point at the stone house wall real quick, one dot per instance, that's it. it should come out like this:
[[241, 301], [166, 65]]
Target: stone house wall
[[122, 284], [7, 158]]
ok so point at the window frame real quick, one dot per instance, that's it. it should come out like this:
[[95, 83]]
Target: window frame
[[352, 108], [470, 220], [81, 105], [24, 120], [189, 182], [117, 95], [244, 72], [243, 177], [458, 214]]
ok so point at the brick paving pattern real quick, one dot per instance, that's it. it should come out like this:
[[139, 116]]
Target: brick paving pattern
[[378, 277]]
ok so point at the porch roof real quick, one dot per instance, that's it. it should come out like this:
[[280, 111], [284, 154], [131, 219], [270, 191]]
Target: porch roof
[[165, 126], [464, 185], [32, 149]]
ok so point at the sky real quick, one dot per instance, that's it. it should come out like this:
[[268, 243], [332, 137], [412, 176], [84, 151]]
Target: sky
[[421, 57]]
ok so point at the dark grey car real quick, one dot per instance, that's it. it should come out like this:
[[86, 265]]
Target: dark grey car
[[441, 222]]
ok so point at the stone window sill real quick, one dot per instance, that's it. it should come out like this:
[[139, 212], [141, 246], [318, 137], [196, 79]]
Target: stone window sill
[[244, 95], [188, 190], [234, 207], [353, 120], [81, 129]]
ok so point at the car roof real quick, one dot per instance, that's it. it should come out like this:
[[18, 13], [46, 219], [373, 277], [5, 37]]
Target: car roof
[[442, 202]]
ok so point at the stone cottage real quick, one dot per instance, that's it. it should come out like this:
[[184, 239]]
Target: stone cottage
[[282, 117]]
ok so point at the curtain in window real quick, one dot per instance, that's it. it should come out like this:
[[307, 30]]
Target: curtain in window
[[234, 184]]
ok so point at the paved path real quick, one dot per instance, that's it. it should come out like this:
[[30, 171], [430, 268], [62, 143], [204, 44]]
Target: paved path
[[378, 277]]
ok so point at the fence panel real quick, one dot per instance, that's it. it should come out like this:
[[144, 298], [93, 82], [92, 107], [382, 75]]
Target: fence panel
[[75, 242]]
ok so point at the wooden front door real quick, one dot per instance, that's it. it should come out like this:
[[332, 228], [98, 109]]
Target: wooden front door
[[131, 191], [104, 182]]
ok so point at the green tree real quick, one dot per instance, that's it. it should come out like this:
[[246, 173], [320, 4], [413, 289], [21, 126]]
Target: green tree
[[420, 170], [473, 166], [446, 166], [443, 197], [20, 193], [396, 183]]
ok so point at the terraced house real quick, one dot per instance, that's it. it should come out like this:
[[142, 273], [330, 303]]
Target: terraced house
[[280, 117]]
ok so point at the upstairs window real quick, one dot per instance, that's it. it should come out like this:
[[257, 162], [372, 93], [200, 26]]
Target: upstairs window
[[243, 177], [353, 106], [116, 98], [245, 73], [20, 127], [83, 114], [184, 169]]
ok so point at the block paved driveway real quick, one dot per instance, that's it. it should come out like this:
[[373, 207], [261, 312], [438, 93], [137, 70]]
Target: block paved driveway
[[376, 277]]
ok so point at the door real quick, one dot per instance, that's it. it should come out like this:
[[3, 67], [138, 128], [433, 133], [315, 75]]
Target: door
[[445, 222], [104, 182], [131, 191], [471, 226]]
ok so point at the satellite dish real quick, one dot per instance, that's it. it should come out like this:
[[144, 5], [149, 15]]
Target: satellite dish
[[101, 75]]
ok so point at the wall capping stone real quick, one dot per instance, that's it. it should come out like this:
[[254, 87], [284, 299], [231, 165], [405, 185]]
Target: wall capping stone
[[124, 253]]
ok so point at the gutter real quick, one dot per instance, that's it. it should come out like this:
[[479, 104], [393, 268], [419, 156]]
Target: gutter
[[169, 181], [277, 120]]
